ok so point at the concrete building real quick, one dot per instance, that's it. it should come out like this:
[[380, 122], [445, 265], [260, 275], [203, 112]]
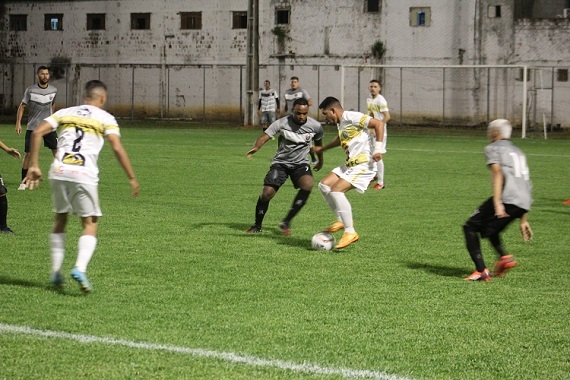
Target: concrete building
[[187, 58]]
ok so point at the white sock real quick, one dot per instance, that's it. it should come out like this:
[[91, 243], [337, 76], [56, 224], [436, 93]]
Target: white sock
[[326, 192], [380, 172], [57, 251], [86, 247], [344, 210]]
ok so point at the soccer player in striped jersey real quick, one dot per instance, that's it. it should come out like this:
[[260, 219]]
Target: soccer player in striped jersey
[[511, 186], [268, 105], [356, 172], [39, 97], [74, 174]]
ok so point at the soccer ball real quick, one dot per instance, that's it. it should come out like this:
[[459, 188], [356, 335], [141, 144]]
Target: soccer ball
[[322, 241]]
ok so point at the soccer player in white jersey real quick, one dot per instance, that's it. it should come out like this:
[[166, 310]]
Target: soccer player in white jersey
[[355, 173], [378, 109], [39, 97], [74, 174], [295, 133], [511, 200]]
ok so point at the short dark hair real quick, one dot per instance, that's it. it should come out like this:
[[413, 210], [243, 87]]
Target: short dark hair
[[375, 81], [42, 67], [297, 78], [300, 102], [93, 85], [330, 102], [267, 81]]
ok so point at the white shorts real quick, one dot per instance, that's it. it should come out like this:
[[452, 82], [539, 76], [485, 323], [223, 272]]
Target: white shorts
[[74, 198], [359, 175]]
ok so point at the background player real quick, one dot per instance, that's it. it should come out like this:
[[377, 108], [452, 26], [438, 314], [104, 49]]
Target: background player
[[268, 105], [39, 97], [3, 190], [378, 109]]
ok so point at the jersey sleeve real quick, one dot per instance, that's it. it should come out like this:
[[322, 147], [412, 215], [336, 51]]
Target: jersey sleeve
[[492, 155], [273, 129], [26, 98]]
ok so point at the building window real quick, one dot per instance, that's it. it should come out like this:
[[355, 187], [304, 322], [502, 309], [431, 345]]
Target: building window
[[53, 22], [420, 16], [372, 5], [562, 75], [140, 21], [282, 16], [494, 11], [239, 20], [95, 21], [18, 23], [190, 20]]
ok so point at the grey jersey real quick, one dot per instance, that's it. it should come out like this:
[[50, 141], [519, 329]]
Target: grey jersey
[[517, 187], [292, 95], [294, 140], [39, 101]]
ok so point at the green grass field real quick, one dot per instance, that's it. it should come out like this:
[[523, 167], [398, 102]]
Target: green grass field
[[181, 292]]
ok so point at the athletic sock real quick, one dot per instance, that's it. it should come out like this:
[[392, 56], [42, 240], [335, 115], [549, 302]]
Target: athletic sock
[[260, 211], [325, 192], [298, 203], [57, 250], [86, 247], [380, 166], [3, 211], [473, 244], [344, 210], [24, 173]]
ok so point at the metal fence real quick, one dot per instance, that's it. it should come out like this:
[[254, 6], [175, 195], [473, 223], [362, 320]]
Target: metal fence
[[446, 96]]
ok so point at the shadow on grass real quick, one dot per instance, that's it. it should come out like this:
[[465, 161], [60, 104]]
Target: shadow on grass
[[4, 280], [439, 270]]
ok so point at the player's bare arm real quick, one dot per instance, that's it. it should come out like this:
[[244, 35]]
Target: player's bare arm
[[125, 162], [526, 231], [320, 148], [19, 115], [11, 151], [261, 140], [34, 175], [319, 165], [378, 126]]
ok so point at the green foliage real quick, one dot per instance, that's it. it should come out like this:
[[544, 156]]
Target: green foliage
[[281, 33], [378, 49], [174, 267]]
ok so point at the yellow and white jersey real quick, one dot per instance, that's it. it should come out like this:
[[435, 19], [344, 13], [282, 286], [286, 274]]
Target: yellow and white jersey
[[376, 106], [80, 139], [353, 134]]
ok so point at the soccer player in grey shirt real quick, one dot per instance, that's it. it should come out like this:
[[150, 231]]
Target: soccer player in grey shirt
[[511, 200], [39, 97], [295, 135]]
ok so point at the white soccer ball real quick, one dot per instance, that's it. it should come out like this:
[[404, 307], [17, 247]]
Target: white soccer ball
[[322, 241]]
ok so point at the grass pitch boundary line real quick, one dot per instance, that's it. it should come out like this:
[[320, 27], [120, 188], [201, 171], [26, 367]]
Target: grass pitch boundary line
[[308, 368]]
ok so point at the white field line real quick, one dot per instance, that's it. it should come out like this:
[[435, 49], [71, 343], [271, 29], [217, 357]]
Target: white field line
[[199, 352]]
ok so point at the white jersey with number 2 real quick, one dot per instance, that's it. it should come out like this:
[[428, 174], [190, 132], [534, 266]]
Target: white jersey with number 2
[[81, 137]]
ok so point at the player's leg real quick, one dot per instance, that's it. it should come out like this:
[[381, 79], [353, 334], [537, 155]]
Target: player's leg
[[493, 233], [380, 175], [4, 208], [85, 203], [476, 223], [302, 179], [325, 189], [61, 207], [26, 160], [271, 184]]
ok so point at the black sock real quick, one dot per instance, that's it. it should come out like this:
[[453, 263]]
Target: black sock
[[312, 155], [24, 173], [298, 203], [3, 211], [260, 210], [474, 247]]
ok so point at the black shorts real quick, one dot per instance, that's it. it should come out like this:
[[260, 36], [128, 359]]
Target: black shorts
[[487, 224], [50, 141], [278, 174]]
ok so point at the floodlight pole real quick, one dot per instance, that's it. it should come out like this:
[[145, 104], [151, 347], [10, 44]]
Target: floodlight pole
[[252, 65]]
